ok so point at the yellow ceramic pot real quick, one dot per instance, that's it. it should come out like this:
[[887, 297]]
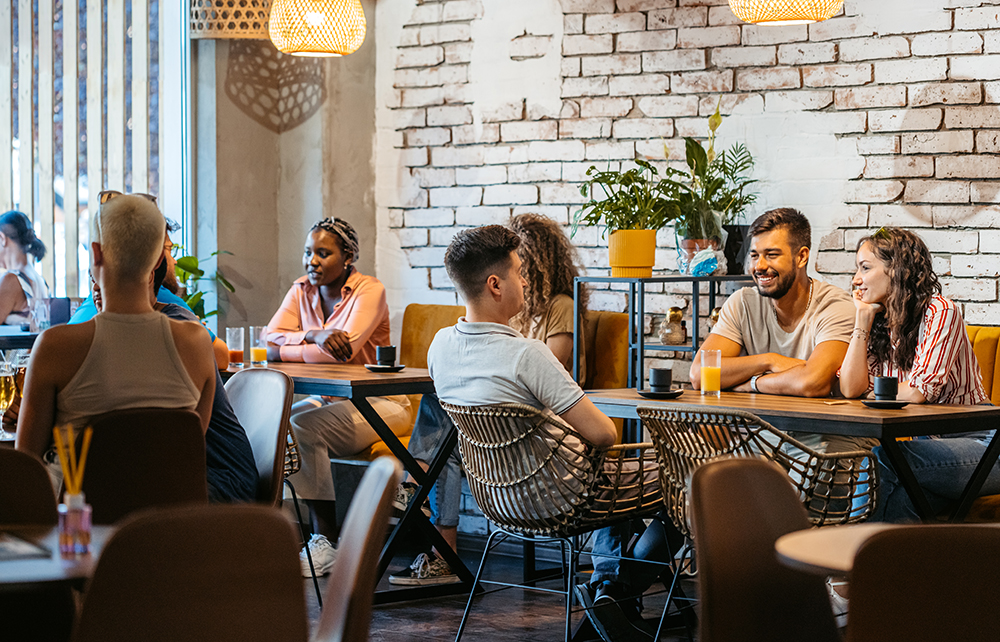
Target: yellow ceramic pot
[[632, 253]]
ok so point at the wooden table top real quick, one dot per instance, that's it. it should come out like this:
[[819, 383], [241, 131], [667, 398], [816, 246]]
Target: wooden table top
[[17, 574], [347, 374]]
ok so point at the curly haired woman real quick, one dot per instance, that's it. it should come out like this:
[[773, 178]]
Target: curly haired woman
[[904, 328]]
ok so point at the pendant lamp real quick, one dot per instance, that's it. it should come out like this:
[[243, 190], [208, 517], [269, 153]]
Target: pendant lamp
[[784, 12], [317, 27]]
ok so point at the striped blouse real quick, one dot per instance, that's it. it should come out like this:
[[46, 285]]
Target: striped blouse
[[945, 369]]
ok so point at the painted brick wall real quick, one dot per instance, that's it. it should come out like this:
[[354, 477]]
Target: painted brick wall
[[886, 115]]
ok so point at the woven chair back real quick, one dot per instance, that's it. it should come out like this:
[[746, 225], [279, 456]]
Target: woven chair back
[[835, 488]]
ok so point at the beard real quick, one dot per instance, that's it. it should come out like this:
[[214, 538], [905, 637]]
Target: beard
[[170, 281], [779, 288]]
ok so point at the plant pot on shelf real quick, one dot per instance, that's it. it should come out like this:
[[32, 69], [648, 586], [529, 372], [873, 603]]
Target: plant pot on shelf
[[632, 253], [737, 245]]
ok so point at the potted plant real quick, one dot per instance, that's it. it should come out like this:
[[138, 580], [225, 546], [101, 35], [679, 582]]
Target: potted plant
[[632, 204], [189, 272]]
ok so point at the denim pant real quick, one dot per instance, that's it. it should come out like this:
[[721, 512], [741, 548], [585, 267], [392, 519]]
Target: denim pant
[[429, 429], [658, 542], [942, 467]]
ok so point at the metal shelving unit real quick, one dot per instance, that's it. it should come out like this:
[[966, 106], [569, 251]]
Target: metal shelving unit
[[636, 313]]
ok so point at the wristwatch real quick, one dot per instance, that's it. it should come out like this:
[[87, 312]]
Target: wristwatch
[[753, 382]]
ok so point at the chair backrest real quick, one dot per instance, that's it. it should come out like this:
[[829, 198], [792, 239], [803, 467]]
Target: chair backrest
[[262, 401], [144, 457], [836, 488], [923, 583], [420, 323], [212, 573], [527, 472], [986, 345], [26, 495], [347, 604], [606, 336], [740, 507]]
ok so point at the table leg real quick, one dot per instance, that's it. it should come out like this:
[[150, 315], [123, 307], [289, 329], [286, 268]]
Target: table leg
[[977, 480], [908, 479]]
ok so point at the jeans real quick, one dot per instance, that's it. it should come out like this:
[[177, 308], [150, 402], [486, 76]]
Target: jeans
[[942, 467], [429, 429], [658, 543]]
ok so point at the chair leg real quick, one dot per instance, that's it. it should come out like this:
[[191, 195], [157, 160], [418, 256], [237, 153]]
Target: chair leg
[[312, 569], [566, 547], [475, 584], [676, 568]]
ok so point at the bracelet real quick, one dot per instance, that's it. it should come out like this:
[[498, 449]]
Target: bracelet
[[753, 382], [859, 333]]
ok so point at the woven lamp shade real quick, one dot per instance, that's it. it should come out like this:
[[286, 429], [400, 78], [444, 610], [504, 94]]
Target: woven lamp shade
[[317, 27], [785, 12]]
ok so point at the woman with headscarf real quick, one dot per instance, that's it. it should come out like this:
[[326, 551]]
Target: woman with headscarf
[[21, 284], [333, 314]]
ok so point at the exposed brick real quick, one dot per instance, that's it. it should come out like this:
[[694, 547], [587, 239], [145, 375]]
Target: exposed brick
[[674, 60], [900, 215], [555, 150], [471, 134], [722, 16], [417, 77], [425, 14], [691, 127], [974, 19], [700, 37], [873, 191], [767, 79], [534, 172], [744, 56], [918, 18], [453, 196], [982, 313], [427, 136], [584, 128], [572, 24], [918, 191], [943, 142], [646, 41], [456, 156], [438, 34], [607, 150], [681, 17], [588, 44], [989, 240], [542, 110], [878, 145], [747, 104], [625, 6], [832, 241], [842, 262], [943, 44], [971, 166], [559, 193], [874, 48], [605, 107], [972, 117], [458, 10], [988, 142], [569, 67], [422, 97], [991, 92], [429, 218], [454, 94], [661, 106], [449, 115], [953, 93], [914, 70], [785, 101], [986, 192], [525, 130], [974, 265], [510, 195], [991, 42], [896, 120], [504, 111], [410, 118], [527, 47], [575, 173], [969, 289], [951, 240], [410, 37], [643, 128], [415, 157], [614, 23], [412, 237], [475, 216], [898, 166], [486, 175], [457, 52], [696, 82], [504, 154], [588, 6], [975, 67], [426, 256], [837, 75], [434, 177], [586, 86], [838, 28], [869, 97], [966, 216], [807, 53], [612, 64], [558, 213], [770, 35], [646, 84]]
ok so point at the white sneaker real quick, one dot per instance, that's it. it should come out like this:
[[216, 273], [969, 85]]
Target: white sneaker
[[838, 603], [323, 556]]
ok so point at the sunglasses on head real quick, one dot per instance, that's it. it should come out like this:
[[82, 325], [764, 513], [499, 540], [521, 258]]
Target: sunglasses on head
[[109, 194], [882, 233]]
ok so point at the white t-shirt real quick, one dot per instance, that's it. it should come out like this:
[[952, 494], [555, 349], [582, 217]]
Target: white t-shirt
[[749, 319]]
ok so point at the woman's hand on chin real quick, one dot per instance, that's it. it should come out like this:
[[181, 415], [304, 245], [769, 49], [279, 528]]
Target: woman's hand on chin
[[865, 310]]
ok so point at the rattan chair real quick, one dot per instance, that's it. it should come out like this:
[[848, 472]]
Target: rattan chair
[[539, 480]]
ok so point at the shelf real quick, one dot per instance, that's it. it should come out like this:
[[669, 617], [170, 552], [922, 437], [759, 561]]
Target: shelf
[[684, 347]]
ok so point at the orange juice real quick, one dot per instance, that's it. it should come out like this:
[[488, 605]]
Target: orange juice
[[711, 379], [235, 356], [258, 355]]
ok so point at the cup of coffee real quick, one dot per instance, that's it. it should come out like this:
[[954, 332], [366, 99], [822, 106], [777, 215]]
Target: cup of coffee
[[660, 379], [385, 355], [886, 388]]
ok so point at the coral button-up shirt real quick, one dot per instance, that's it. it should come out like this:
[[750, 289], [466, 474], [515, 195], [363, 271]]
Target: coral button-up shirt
[[362, 313]]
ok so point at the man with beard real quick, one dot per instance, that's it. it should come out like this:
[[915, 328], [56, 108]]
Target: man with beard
[[789, 335]]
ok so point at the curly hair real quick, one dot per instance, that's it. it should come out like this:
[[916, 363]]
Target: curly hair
[[549, 265], [912, 283]]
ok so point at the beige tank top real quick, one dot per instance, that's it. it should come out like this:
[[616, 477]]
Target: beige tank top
[[132, 363]]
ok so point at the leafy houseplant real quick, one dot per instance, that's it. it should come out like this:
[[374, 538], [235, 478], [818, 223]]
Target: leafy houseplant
[[189, 271]]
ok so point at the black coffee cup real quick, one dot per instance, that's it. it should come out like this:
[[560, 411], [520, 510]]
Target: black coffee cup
[[385, 355], [886, 388], [660, 379]]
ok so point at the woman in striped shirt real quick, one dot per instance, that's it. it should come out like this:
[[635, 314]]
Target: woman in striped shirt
[[904, 328]]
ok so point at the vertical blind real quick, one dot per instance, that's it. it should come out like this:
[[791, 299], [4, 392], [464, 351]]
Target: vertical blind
[[80, 84]]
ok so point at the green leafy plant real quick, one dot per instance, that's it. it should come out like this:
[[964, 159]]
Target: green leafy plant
[[189, 272], [632, 199]]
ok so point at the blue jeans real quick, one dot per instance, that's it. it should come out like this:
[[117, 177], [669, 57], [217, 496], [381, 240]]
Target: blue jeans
[[942, 467], [653, 546], [429, 429]]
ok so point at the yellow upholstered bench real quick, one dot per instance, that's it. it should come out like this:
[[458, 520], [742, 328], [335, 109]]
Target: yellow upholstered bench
[[986, 345]]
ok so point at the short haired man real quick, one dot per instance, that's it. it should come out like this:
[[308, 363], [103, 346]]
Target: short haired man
[[482, 361]]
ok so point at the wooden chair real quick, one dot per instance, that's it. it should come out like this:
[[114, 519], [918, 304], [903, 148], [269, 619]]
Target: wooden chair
[[925, 583], [739, 508], [539, 480], [26, 495], [198, 573], [347, 614], [144, 457]]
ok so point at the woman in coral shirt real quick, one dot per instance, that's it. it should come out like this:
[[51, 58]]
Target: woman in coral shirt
[[333, 314]]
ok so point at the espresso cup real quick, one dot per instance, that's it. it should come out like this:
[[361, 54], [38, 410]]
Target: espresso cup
[[385, 355], [886, 388], [660, 379]]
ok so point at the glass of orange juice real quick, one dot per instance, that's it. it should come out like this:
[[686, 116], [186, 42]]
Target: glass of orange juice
[[258, 345], [234, 339], [711, 372]]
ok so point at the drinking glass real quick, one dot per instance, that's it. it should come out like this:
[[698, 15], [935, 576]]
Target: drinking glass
[[235, 341], [258, 345], [39, 315], [711, 372], [8, 388]]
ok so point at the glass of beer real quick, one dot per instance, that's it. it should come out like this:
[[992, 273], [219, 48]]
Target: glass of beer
[[235, 341], [711, 372], [258, 345], [8, 389]]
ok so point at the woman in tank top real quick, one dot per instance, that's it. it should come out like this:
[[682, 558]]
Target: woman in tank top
[[21, 284]]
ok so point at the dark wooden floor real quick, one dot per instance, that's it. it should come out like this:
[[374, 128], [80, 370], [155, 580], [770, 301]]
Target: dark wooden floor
[[507, 615]]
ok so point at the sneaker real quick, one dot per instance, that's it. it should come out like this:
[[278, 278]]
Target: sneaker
[[609, 619], [838, 603], [323, 556], [405, 493], [426, 570]]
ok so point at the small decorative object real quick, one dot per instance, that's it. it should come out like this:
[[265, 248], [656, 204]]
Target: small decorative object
[[672, 332], [74, 513], [684, 331], [713, 317], [661, 379], [785, 12], [317, 27]]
